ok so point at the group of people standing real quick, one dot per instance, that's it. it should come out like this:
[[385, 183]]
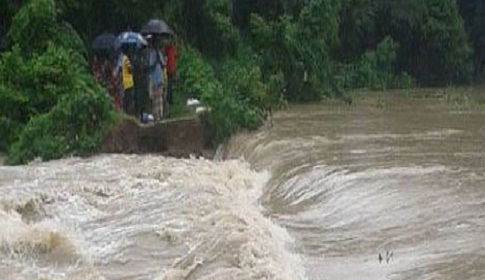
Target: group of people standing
[[139, 73]]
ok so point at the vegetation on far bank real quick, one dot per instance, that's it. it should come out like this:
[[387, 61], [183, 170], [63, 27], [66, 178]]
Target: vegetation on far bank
[[241, 58], [458, 96]]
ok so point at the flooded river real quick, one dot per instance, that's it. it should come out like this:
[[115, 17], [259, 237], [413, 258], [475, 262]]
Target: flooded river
[[319, 195]]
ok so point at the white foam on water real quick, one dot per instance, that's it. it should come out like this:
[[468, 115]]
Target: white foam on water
[[140, 217], [232, 240]]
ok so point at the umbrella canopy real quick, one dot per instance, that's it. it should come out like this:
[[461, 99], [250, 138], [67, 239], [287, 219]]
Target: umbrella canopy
[[104, 42], [157, 27], [131, 39]]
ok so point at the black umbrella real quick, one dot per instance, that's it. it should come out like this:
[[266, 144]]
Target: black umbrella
[[157, 27], [104, 42]]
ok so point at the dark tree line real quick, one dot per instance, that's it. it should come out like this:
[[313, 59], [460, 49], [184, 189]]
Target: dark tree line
[[473, 13], [439, 41]]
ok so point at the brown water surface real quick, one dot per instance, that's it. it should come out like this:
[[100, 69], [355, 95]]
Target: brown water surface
[[399, 176], [319, 195]]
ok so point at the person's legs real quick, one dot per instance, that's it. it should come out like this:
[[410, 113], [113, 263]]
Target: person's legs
[[136, 103], [128, 99], [156, 104], [165, 104]]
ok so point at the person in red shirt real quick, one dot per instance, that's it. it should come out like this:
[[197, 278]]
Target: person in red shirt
[[170, 60]]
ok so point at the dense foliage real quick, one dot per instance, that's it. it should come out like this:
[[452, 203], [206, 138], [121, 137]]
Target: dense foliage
[[240, 57], [473, 12], [49, 104], [75, 125]]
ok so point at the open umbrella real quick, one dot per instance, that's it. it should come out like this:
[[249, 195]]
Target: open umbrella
[[131, 39], [157, 27], [104, 42]]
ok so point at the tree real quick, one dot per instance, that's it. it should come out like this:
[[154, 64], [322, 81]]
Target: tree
[[473, 13]]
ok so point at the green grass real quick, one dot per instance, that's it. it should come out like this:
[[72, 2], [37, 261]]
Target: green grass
[[179, 110]]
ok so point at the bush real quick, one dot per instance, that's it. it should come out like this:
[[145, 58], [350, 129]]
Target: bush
[[299, 48], [446, 54], [32, 86], [194, 76], [221, 37], [36, 26], [45, 62], [50, 106], [9, 131], [241, 101], [375, 69], [76, 125], [238, 96]]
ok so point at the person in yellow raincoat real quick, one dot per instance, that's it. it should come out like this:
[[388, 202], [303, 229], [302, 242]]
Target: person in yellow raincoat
[[127, 81]]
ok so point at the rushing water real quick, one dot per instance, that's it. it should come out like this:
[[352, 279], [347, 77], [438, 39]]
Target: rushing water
[[319, 195]]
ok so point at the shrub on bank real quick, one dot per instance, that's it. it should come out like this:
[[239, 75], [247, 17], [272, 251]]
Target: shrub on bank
[[375, 69], [195, 76], [237, 95], [76, 125], [50, 105]]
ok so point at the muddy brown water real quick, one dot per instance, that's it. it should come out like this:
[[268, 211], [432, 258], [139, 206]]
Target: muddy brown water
[[319, 195]]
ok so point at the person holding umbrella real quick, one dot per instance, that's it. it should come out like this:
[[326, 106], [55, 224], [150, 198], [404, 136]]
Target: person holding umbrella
[[102, 64], [156, 29], [129, 43], [156, 78], [127, 81], [170, 58]]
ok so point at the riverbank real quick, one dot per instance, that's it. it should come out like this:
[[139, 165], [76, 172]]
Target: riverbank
[[179, 138], [475, 93], [186, 136]]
